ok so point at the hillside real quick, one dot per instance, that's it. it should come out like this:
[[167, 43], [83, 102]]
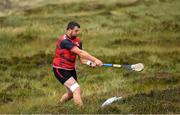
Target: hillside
[[115, 31]]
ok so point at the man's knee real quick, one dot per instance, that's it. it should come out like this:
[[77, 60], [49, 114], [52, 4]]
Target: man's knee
[[75, 87], [78, 90]]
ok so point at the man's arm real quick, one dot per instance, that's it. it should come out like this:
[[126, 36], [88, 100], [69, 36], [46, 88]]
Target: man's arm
[[86, 56], [87, 62], [67, 44], [83, 61]]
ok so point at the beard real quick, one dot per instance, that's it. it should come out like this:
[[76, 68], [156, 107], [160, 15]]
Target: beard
[[73, 36]]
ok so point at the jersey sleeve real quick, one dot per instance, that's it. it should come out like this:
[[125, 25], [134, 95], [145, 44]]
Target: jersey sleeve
[[66, 44]]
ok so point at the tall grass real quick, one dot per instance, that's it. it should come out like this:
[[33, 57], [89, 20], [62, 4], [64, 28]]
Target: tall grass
[[115, 31]]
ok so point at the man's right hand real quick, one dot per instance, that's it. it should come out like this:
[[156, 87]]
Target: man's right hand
[[98, 62]]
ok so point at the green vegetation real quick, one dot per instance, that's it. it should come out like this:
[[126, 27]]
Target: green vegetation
[[116, 31]]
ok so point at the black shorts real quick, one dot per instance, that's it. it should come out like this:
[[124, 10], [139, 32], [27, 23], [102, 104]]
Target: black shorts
[[63, 75]]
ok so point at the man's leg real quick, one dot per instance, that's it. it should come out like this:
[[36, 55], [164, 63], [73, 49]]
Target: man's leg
[[67, 96], [77, 97], [75, 89]]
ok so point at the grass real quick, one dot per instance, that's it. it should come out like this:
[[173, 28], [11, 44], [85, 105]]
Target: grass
[[115, 31]]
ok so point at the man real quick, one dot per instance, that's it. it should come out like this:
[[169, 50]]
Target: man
[[67, 48]]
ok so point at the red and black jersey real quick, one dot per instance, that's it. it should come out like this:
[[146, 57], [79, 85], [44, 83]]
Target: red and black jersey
[[64, 58]]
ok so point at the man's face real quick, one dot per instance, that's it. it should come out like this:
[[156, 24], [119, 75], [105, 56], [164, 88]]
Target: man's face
[[75, 31]]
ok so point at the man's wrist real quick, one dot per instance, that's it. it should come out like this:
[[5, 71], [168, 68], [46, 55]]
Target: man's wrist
[[89, 62]]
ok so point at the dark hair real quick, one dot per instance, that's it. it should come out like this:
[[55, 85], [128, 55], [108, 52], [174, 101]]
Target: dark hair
[[72, 24]]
